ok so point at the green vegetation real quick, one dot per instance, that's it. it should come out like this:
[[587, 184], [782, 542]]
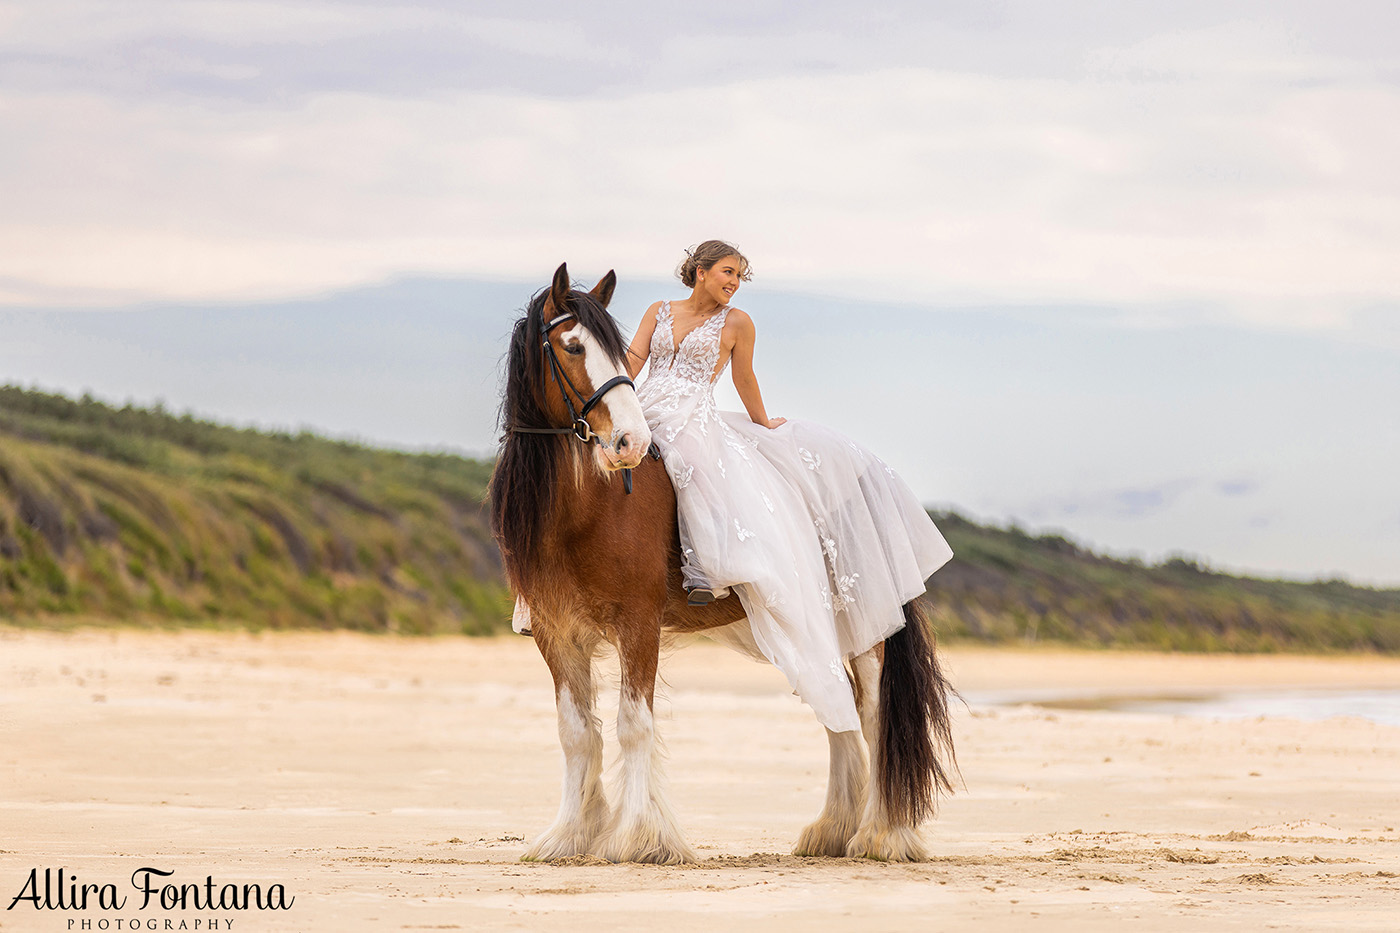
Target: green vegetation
[[139, 515], [1011, 587]]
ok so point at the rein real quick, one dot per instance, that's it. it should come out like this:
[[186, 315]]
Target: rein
[[580, 428]]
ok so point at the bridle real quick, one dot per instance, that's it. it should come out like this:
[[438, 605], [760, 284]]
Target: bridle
[[580, 428]]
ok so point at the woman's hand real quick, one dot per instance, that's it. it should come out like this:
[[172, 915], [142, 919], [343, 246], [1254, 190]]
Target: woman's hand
[[776, 422]]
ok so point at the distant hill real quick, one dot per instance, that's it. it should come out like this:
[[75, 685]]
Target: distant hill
[[136, 514], [140, 515], [1006, 585]]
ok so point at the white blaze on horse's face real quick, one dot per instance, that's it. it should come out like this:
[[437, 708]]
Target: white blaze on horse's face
[[627, 443]]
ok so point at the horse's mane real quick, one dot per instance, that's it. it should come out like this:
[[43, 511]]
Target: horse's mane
[[524, 483]]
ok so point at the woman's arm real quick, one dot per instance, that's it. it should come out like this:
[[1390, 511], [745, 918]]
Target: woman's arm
[[741, 360], [641, 341]]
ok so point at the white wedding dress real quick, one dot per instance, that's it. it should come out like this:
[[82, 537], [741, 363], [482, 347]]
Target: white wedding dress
[[818, 538]]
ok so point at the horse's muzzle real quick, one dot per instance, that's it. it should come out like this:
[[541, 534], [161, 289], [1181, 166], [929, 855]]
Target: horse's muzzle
[[625, 451]]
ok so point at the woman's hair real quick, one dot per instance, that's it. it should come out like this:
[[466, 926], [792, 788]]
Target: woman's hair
[[705, 256]]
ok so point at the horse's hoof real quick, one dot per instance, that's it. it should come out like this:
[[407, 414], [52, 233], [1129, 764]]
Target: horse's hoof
[[825, 837], [892, 844], [651, 842], [659, 854], [550, 847]]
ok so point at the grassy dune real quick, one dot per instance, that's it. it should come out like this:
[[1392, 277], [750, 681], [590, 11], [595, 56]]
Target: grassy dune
[[1005, 585], [142, 516]]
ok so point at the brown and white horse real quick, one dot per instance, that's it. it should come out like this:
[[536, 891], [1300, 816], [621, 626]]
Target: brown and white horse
[[597, 564]]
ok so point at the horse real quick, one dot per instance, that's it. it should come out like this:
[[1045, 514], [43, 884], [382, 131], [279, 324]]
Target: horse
[[598, 562]]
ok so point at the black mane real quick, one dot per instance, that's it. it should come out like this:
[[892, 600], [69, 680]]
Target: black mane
[[525, 480]]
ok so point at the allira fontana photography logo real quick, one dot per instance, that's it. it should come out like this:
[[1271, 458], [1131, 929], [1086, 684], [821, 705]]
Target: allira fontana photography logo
[[151, 891]]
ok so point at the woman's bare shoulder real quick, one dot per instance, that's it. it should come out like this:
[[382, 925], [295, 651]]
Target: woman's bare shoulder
[[738, 329], [649, 318]]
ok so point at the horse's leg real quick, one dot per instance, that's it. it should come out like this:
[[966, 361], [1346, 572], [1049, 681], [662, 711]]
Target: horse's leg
[[845, 794], [878, 836], [583, 808], [645, 828], [903, 700]]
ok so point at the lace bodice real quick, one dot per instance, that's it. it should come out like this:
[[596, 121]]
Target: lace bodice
[[680, 375], [695, 359]]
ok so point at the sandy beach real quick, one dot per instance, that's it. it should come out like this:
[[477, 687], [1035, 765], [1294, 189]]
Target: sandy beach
[[392, 784]]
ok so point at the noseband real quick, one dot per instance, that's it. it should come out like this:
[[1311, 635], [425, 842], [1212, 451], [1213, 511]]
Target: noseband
[[580, 428]]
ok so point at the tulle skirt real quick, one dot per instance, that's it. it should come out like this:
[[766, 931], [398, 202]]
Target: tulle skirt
[[821, 541]]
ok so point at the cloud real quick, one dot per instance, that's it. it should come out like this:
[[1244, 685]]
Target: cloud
[[545, 47], [1236, 488], [229, 151], [1133, 502], [1123, 503]]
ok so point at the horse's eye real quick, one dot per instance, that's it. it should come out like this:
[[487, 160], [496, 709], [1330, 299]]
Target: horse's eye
[[574, 349]]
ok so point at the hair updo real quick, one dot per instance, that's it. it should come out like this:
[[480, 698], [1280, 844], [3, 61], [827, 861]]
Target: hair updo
[[705, 256]]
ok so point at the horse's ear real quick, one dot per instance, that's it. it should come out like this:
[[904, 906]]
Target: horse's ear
[[559, 291], [603, 291]]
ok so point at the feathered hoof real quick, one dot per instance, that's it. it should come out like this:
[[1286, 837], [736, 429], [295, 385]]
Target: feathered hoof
[[824, 837], [559, 842], [887, 844], [640, 843]]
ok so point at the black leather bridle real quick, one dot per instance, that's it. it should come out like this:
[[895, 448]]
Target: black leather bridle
[[580, 428]]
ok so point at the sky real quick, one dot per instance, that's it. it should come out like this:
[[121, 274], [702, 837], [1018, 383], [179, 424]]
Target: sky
[[1126, 271]]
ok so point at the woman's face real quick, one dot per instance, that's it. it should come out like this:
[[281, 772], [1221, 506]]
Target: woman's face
[[721, 280]]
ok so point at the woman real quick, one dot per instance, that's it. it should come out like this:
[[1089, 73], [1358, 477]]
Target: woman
[[819, 539]]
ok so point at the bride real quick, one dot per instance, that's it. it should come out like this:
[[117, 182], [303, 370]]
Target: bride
[[821, 542]]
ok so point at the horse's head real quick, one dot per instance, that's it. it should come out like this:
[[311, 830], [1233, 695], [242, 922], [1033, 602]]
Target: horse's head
[[577, 349]]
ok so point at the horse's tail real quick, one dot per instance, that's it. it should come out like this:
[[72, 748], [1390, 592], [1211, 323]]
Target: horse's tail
[[916, 758]]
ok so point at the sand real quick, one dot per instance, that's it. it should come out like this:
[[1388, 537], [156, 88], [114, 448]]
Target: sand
[[392, 784]]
